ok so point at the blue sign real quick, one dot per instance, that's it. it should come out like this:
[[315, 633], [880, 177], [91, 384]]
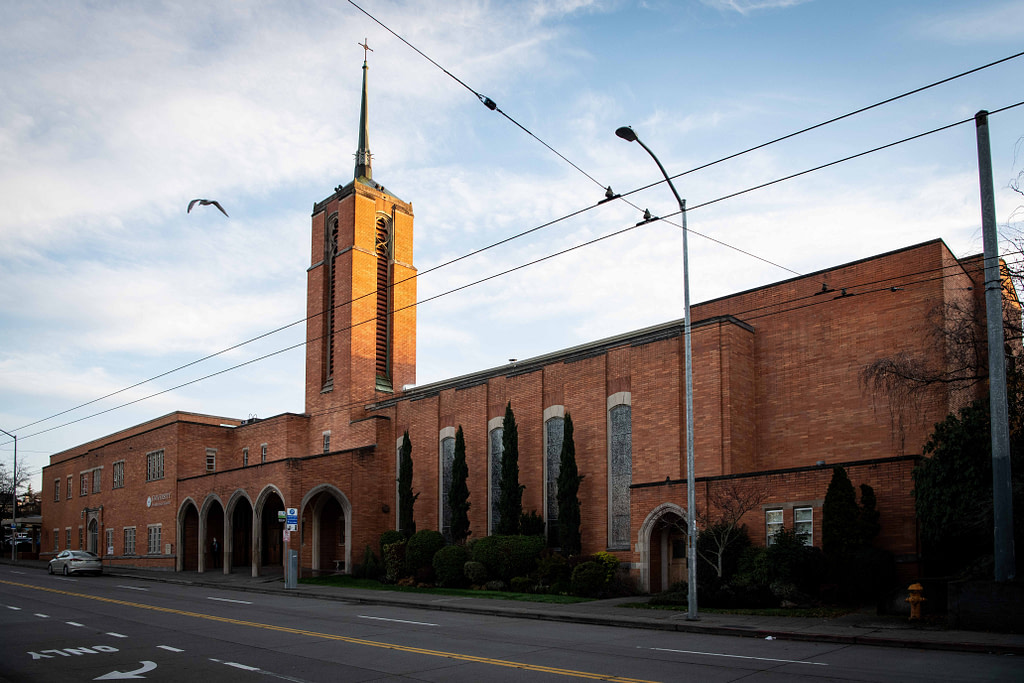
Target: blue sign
[[292, 517]]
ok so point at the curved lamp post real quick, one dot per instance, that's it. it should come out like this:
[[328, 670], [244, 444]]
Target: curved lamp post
[[627, 134]]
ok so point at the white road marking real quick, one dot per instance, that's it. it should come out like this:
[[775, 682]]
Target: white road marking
[[74, 623], [22, 573], [240, 602], [146, 667], [719, 654], [42, 616], [134, 588], [169, 648], [64, 578], [116, 635], [14, 608], [399, 621], [242, 666]]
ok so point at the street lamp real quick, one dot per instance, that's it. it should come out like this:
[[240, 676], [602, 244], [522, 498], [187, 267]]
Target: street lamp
[[14, 498], [627, 134]]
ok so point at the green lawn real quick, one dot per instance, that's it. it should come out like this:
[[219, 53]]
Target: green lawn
[[346, 581]]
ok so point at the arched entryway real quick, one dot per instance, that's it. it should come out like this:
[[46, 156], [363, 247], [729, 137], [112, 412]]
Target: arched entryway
[[661, 544], [326, 529], [188, 534], [213, 537], [269, 546], [238, 543]]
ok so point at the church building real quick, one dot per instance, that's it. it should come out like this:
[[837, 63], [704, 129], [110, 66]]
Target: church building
[[778, 401]]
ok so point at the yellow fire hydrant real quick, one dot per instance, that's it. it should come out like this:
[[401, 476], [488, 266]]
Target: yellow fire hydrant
[[915, 600]]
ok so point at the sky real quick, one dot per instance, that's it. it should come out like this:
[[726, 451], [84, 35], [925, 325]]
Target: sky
[[114, 116]]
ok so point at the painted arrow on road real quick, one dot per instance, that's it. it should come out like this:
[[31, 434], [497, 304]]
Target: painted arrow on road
[[137, 673]]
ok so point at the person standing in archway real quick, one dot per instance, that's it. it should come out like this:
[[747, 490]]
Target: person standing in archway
[[215, 553]]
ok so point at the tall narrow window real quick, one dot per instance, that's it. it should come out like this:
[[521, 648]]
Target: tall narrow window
[[245, 457], [68, 494], [129, 540], [153, 539], [56, 540], [83, 484], [620, 446], [382, 249], [803, 524], [494, 452], [119, 474], [327, 442], [330, 282], [554, 432], [447, 458], [154, 465], [110, 542], [263, 452], [67, 538], [773, 524], [56, 490], [96, 485]]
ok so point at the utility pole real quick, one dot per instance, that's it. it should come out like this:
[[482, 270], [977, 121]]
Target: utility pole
[[1002, 492], [14, 498]]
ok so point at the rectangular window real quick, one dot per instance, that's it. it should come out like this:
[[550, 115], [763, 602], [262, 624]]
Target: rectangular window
[[96, 481], [56, 540], [67, 538], [83, 484], [327, 442], [153, 539], [79, 538], [129, 540], [56, 490], [211, 459], [803, 524], [263, 452], [110, 542], [119, 474], [773, 522], [154, 465], [68, 494], [245, 457]]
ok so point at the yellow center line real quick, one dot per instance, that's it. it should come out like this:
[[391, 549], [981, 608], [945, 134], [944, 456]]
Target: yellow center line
[[344, 639]]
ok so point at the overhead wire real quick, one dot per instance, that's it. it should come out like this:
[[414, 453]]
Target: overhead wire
[[491, 105], [515, 268]]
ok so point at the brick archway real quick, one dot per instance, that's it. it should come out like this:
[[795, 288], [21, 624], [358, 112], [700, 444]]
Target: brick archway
[[654, 545]]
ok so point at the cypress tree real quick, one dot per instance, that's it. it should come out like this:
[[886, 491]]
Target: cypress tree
[[510, 505], [568, 494], [406, 498], [458, 494], [841, 523], [869, 516]]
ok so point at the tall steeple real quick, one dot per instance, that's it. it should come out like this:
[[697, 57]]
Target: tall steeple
[[363, 162]]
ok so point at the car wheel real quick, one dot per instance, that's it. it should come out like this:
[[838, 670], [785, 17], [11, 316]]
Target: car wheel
[[49, 568], [65, 570]]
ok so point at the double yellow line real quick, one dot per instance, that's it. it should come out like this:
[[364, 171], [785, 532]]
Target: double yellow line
[[345, 639]]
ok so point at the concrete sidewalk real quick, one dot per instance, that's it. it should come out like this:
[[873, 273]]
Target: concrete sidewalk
[[858, 628]]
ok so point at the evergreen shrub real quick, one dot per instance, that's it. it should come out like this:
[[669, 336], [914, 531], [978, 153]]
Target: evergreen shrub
[[394, 561], [475, 572], [508, 556], [589, 579], [420, 549], [449, 563]]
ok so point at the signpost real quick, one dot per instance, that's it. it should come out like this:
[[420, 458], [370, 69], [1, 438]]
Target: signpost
[[291, 572]]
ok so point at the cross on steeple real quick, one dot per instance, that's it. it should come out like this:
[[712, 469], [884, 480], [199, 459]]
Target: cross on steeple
[[366, 48]]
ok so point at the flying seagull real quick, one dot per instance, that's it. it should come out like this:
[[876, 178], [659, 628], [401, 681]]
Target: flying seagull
[[206, 202]]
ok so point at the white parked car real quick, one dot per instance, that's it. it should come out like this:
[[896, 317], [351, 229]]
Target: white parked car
[[76, 562]]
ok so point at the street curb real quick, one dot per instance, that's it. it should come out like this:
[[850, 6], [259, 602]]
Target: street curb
[[601, 620]]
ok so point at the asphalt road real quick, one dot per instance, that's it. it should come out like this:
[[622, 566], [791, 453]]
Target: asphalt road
[[108, 628]]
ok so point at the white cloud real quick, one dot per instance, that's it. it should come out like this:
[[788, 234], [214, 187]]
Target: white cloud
[[1000, 22], [748, 6]]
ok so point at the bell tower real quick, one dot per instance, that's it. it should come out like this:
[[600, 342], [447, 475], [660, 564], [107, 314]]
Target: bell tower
[[360, 300]]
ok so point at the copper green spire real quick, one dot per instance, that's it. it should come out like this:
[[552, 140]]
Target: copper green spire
[[363, 164]]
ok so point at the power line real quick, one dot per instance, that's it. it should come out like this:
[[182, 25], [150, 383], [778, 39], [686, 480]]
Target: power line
[[516, 268]]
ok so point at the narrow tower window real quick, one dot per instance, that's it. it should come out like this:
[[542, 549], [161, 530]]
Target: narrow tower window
[[330, 279], [382, 248]]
